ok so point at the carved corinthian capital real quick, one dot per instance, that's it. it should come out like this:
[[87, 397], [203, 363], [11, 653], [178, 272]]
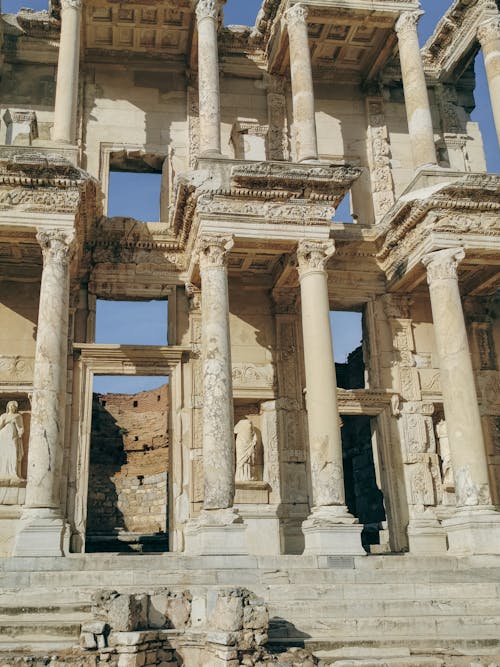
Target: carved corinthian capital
[[296, 14], [408, 21], [207, 9], [442, 264], [71, 4], [57, 246], [489, 30], [212, 250], [312, 256]]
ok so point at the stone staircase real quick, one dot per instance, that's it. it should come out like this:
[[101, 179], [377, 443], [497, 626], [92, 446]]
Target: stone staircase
[[339, 606]]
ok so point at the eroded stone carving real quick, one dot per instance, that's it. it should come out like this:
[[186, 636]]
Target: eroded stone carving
[[11, 444], [249, 459]]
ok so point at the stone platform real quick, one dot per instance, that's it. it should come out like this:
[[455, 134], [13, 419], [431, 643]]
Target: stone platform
[[338, 606]]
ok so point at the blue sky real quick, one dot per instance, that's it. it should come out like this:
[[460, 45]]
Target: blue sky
[[148, 322]]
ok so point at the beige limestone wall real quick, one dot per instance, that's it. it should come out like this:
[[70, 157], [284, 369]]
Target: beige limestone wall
[[244, 100], [19, 315], [251, 323], [137, 108]]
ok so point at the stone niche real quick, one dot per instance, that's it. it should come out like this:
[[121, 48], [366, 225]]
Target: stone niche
[[13, 488], [128, 480]]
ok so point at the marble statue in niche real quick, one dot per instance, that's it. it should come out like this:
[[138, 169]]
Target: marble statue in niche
[[11, 443], [447, 477], [249, 459]]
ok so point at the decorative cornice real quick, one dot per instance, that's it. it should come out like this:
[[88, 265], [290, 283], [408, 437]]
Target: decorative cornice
[[212, 250], [489, 30], [57, 246], [443, 264], [295, 15], [312, 256], [408, 21]]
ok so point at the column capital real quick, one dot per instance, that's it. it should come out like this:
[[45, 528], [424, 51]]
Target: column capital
[[312, 256], [296, 14], [489, 30], [408, 21], [57, 245], [212, 250], [207, 9], [442, 264], [71, 4]]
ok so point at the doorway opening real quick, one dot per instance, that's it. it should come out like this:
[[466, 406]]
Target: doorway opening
[[127, 501], [364, 498]]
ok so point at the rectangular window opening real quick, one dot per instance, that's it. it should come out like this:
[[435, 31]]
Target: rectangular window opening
[[132, 322], [127, 503], [347, 339], [344, 212]]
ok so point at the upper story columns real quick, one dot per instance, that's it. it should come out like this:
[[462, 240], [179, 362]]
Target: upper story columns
[[302, 84], [417, 104], [67, 73], [489, 38], [207, 12]]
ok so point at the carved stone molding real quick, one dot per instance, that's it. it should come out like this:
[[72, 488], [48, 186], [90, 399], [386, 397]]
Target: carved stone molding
[[194, 296], [489, 30], [314, 255], [207, 9], [408, 21], [213, 250], [16, 369], [57, 246], [442, 264], [297, 14]]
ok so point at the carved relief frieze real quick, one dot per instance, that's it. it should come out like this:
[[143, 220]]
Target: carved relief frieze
[[380, 157], [16, 369], [277, 137], [193, 124], [254, 376]]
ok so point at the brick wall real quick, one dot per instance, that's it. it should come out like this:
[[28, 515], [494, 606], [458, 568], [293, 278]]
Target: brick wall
[[128, 463]]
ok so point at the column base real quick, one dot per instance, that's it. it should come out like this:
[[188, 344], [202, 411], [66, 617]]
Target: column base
[[42, 532], [426, 536], [474, 531], [216, 533], [330, 531]]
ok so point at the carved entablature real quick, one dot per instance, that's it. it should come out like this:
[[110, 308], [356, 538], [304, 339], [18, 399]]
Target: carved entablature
[[467, 208], [456, 36], [330, 184]]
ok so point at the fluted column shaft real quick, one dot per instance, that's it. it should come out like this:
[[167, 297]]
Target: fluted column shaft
[[325, 443], [418, 109], [49, 381], [218, 415], [489, 38], [208, 76], [304, 121], [461, 408], [67, 72]]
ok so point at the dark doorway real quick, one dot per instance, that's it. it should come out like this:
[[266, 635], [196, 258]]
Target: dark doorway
[[364, 499]]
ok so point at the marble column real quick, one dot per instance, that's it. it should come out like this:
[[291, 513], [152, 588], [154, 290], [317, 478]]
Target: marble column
[[330, 529], [489, 38], [207, 12], [475, 527], [42, 524], [68, 66], [219, 528], [304, 121], [418, 108]]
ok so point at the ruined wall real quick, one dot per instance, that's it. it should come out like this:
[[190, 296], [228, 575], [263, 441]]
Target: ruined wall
[[129, 463]]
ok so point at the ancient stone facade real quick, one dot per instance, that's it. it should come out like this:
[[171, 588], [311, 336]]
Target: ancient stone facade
[[281, 463]]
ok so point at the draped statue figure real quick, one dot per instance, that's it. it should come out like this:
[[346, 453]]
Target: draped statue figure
[[11, 443]]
